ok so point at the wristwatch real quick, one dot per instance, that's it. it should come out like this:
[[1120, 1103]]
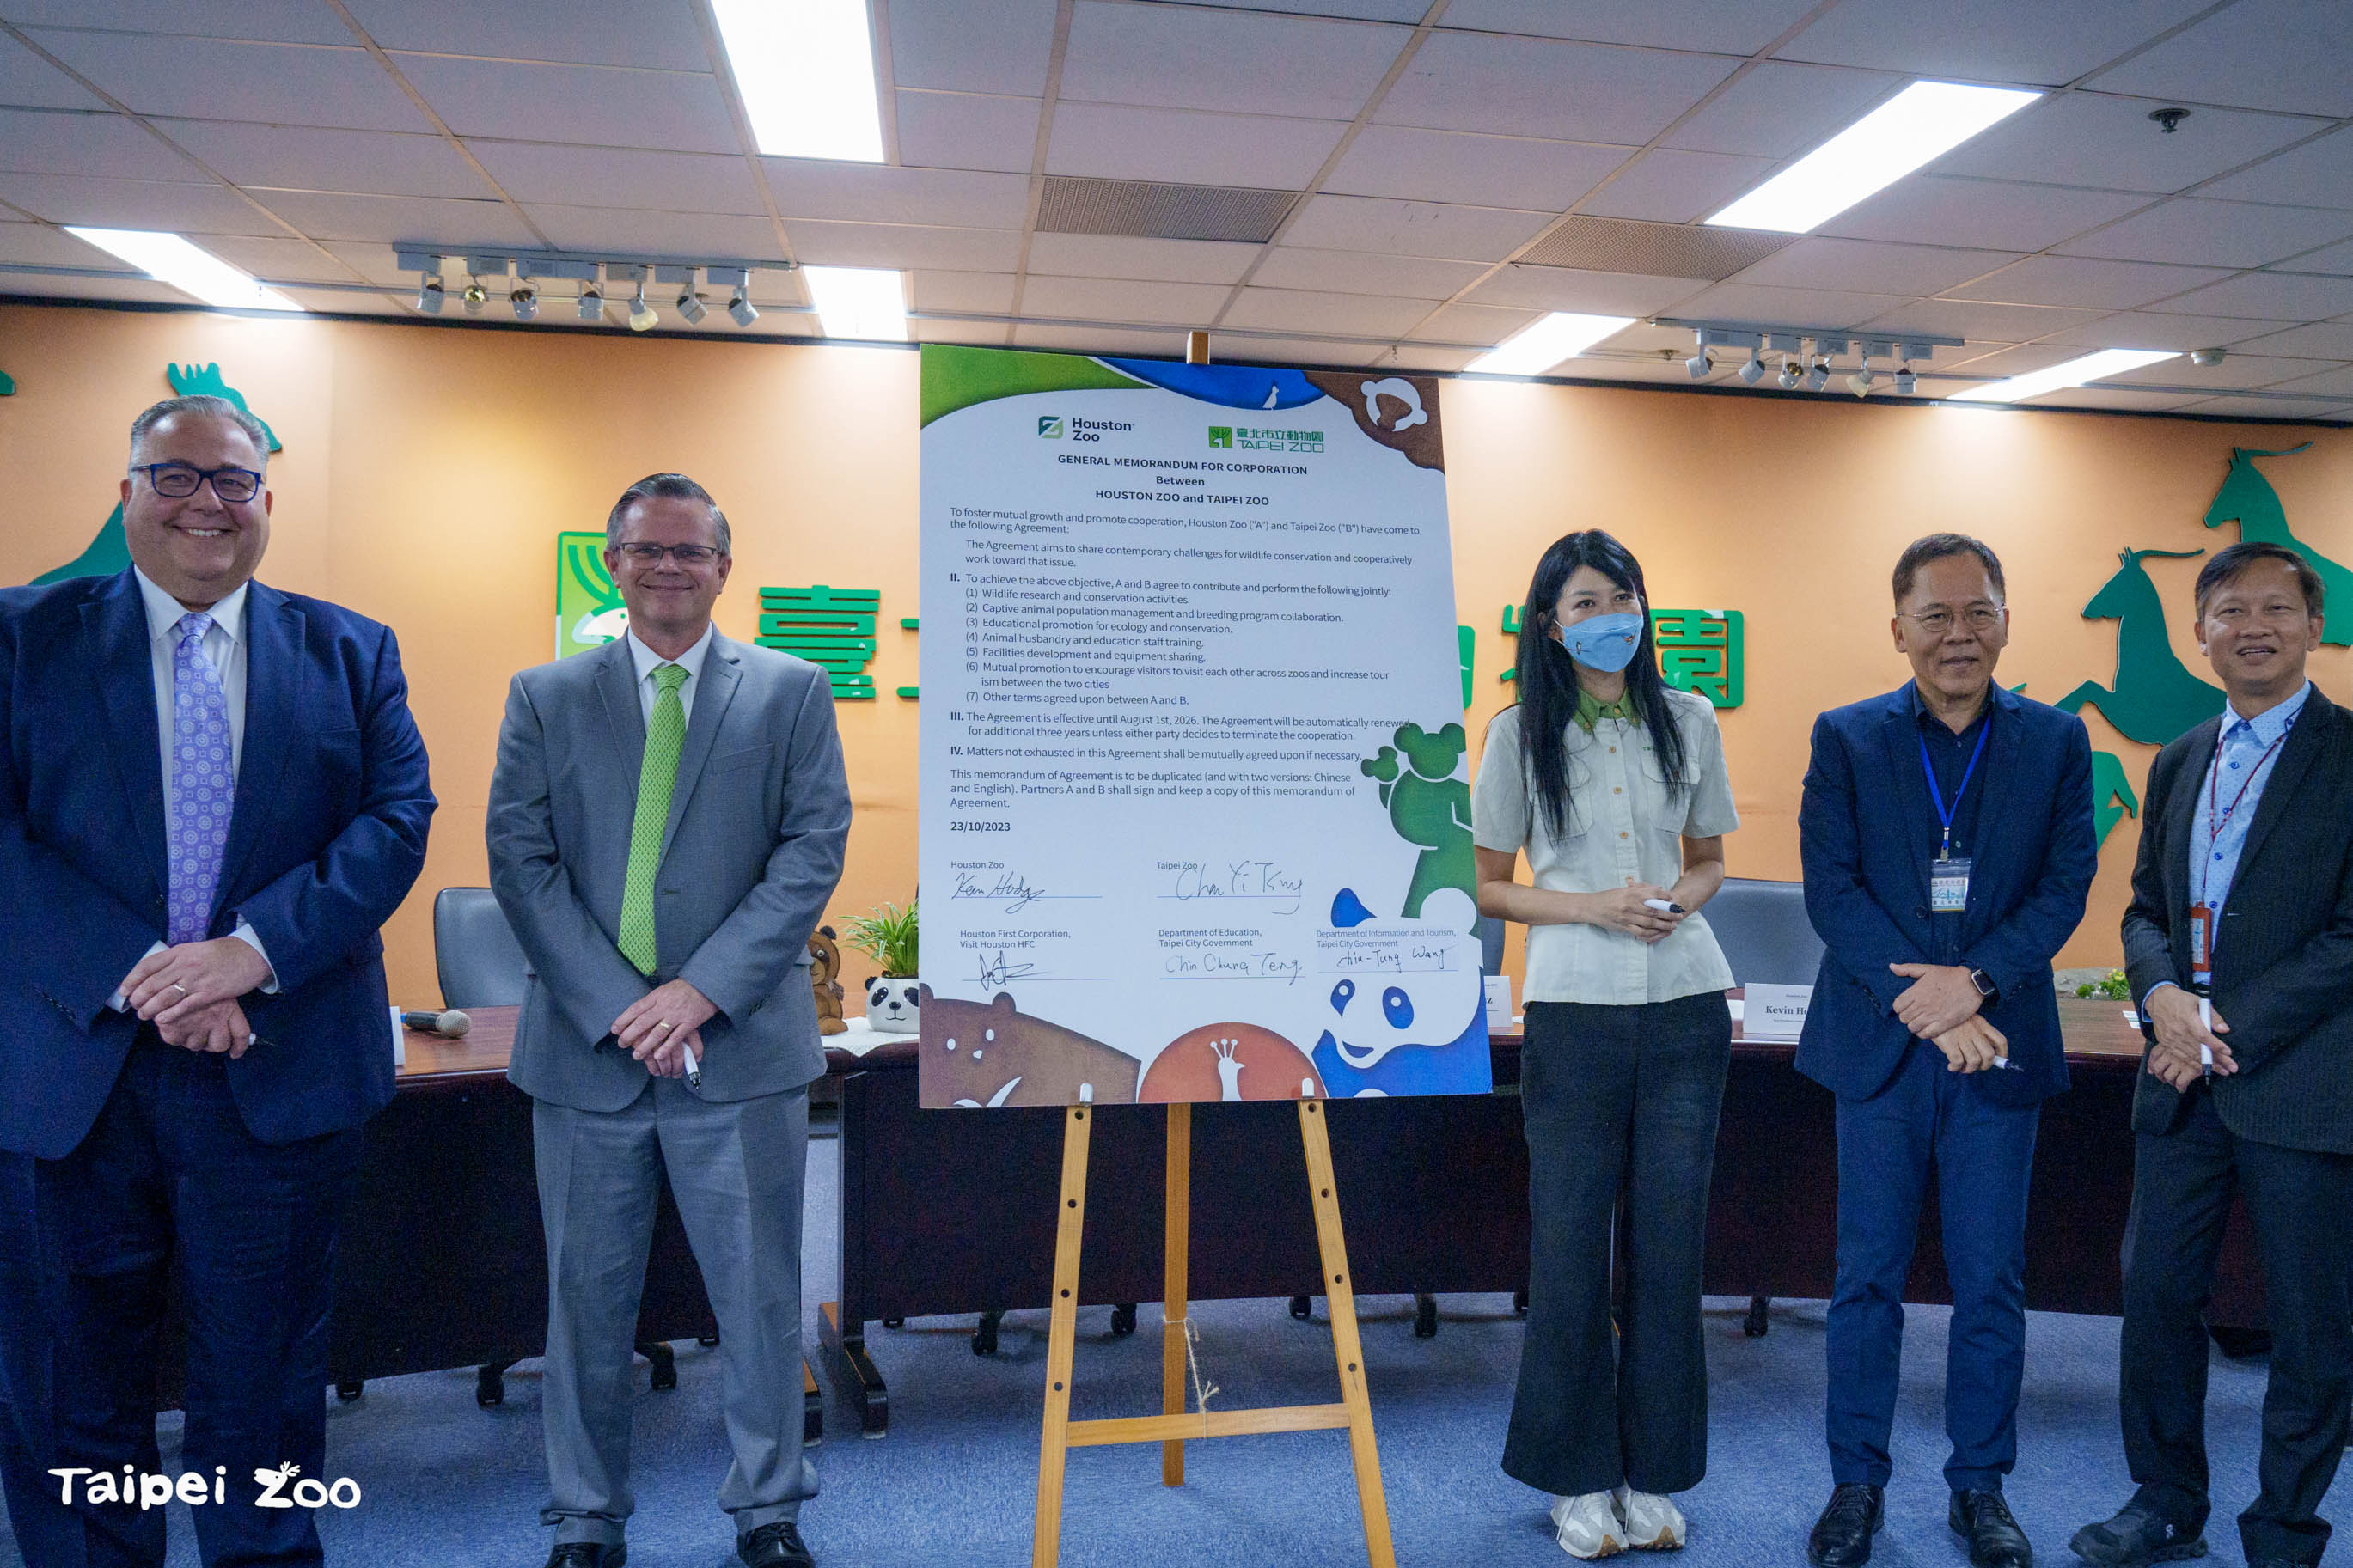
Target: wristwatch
[[1987, 989]]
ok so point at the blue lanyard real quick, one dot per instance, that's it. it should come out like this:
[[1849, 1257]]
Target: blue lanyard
[[1945, 812]]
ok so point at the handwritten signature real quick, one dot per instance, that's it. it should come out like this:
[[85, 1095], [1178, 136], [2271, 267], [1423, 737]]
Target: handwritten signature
[[1235, 965], [1011, 886], [997, 971], [1262, 881]]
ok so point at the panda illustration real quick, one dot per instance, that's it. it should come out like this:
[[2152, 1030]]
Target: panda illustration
[[892, 1005], [1414, 1033]]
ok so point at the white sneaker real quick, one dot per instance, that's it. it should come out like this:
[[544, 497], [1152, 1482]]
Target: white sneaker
[[1588, 1525], [1653, 1523]]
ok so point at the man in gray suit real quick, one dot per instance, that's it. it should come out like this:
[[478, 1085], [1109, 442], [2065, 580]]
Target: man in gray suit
[[666, 825]]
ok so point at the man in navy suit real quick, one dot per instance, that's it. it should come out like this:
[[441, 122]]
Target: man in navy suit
[[211, 796], [1947, 835]]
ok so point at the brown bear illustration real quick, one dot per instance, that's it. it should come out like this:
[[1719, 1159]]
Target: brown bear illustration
[[824, 965], [1229, 1061], [979, 1054]]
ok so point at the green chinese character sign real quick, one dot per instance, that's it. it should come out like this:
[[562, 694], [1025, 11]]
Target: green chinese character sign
[[831, 627], [1701, 651]]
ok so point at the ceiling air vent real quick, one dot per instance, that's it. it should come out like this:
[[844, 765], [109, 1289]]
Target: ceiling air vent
[[1654, 249], [1145, 209]]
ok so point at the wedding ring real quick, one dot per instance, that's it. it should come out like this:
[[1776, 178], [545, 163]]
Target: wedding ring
[[180, 988], [663, 1025]]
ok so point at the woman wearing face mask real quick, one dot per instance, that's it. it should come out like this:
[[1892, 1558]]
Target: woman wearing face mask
[[1614, 785]]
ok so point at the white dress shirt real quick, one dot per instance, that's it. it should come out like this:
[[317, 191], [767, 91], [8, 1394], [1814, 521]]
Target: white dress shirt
[[223, 645], [646, 661]]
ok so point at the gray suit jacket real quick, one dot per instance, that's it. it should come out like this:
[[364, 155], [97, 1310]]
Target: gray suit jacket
[[750, 855]]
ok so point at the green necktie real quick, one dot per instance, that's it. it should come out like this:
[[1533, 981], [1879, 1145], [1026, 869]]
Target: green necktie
[[664, 736]]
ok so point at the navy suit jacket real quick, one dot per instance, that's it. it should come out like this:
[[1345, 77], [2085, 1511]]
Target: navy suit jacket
[[326, 836], [1866, 864]]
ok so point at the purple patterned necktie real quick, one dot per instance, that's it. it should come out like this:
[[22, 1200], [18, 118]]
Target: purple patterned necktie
[[203, 784]]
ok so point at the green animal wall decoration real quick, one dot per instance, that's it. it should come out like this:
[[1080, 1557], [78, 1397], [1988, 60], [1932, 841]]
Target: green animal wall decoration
[[2247, 500], [204, 381], [2156, 697], [2113, 799], [7, 385]]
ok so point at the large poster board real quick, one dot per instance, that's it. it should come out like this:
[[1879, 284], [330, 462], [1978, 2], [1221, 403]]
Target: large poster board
[[1196, 822]]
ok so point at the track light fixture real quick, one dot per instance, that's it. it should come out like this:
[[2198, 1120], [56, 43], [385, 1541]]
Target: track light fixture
[[525, 300], [1907, 379], [1862, 381], [641, 315], [1819, 376], [741, 307], [690, 307], [1754, 371], [591, 303], [1787, 379], [475, 296], [431, 296], [1698, 366]]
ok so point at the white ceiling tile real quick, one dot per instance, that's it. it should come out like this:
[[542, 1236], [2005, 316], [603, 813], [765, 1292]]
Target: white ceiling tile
[[1308, 351], [1778, 110], [1485, 324], [1122, 300], [1188, 147], [60, 141], [2016, 360], [1430, 357], [1933, 209], [2159, 329], [1364, 272], [1492, 171], [53, 286], [2117, 398], [980, 334], [2319, 174], [1569, 92], [1668, 186], [349, 302], [2214, 233], [1714, 27], [967, 130], [374, 263], [278, 257], [282, 21], [601, 106], [1413, 228], [2335, 258], [2323, 340], [1967, 319], [964, 294], [1643, 338], [39, 245], [773, 286], [621, 177], [2095, 139], [630, 231], [133, 203], [30, 81], [1003, 47], [2257, 406], [1100, 340], [202, 78], [2091, 285], [2336, 380], [903, 246], [2238, 372], [440, 220], [1354, 10], [1298, 311], [588, 32], [1795, 307], [2280, 296], [1872, 266], [2290, 54], [1591, 293], [1155, 260], [2028, 41], [877, 192], [314, 158], [1240, 62]]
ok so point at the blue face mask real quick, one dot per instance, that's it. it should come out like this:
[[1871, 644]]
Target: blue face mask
[[1606, 643]]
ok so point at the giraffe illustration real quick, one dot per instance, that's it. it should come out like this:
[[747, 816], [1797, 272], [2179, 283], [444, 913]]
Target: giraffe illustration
[[2247, 500]]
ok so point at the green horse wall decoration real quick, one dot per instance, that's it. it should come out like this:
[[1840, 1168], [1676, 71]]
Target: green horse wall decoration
[[2247, 500], [2156, 697]]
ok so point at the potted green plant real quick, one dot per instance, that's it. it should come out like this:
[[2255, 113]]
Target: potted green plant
[[887, 935]]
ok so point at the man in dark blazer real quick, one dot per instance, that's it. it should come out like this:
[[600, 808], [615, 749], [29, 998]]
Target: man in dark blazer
[[2239, 947], [1948, 851], [667, 822], [211, 796]]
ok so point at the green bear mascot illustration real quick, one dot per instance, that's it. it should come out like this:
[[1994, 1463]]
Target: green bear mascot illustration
[[1427, 806]]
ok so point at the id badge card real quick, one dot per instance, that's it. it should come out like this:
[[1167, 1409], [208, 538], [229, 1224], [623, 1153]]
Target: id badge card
[[2201, 945], [1948, 886]]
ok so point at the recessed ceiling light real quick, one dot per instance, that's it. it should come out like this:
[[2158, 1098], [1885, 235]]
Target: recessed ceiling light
[[1923, 122], [169, 259], [806, 71], [858, 302], [1545, 343], [2073, 373]]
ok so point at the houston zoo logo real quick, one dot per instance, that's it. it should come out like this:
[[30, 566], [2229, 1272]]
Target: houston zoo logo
[[284, 1487]]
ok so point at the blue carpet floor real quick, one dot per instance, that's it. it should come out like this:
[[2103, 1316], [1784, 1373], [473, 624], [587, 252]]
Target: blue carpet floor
[[954, 1483]]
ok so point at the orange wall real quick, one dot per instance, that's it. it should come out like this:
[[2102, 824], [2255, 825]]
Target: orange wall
[[427, 470]]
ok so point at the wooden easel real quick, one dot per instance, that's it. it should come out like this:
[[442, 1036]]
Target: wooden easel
[[1175, 1425]]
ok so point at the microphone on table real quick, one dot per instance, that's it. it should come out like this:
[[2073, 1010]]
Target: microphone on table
[[450, 1025]]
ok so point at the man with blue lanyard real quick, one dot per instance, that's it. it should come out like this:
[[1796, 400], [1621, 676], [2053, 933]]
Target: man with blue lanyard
[[1948, 849], [2239, 945]]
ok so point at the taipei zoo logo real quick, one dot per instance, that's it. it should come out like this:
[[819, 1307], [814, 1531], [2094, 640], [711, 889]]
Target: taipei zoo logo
[[1050, 427], [282, 1486]]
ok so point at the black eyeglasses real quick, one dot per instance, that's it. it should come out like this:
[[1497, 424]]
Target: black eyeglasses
[[179, 480], [685, 554]]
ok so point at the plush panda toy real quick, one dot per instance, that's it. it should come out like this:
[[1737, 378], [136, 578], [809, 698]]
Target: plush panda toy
[[892, 1005]]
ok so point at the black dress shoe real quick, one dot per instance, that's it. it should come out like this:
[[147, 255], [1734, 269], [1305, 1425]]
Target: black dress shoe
[[586, 1554], [2135, 1538], [1983, 1519], [777, 1545], [1842, 1537]]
